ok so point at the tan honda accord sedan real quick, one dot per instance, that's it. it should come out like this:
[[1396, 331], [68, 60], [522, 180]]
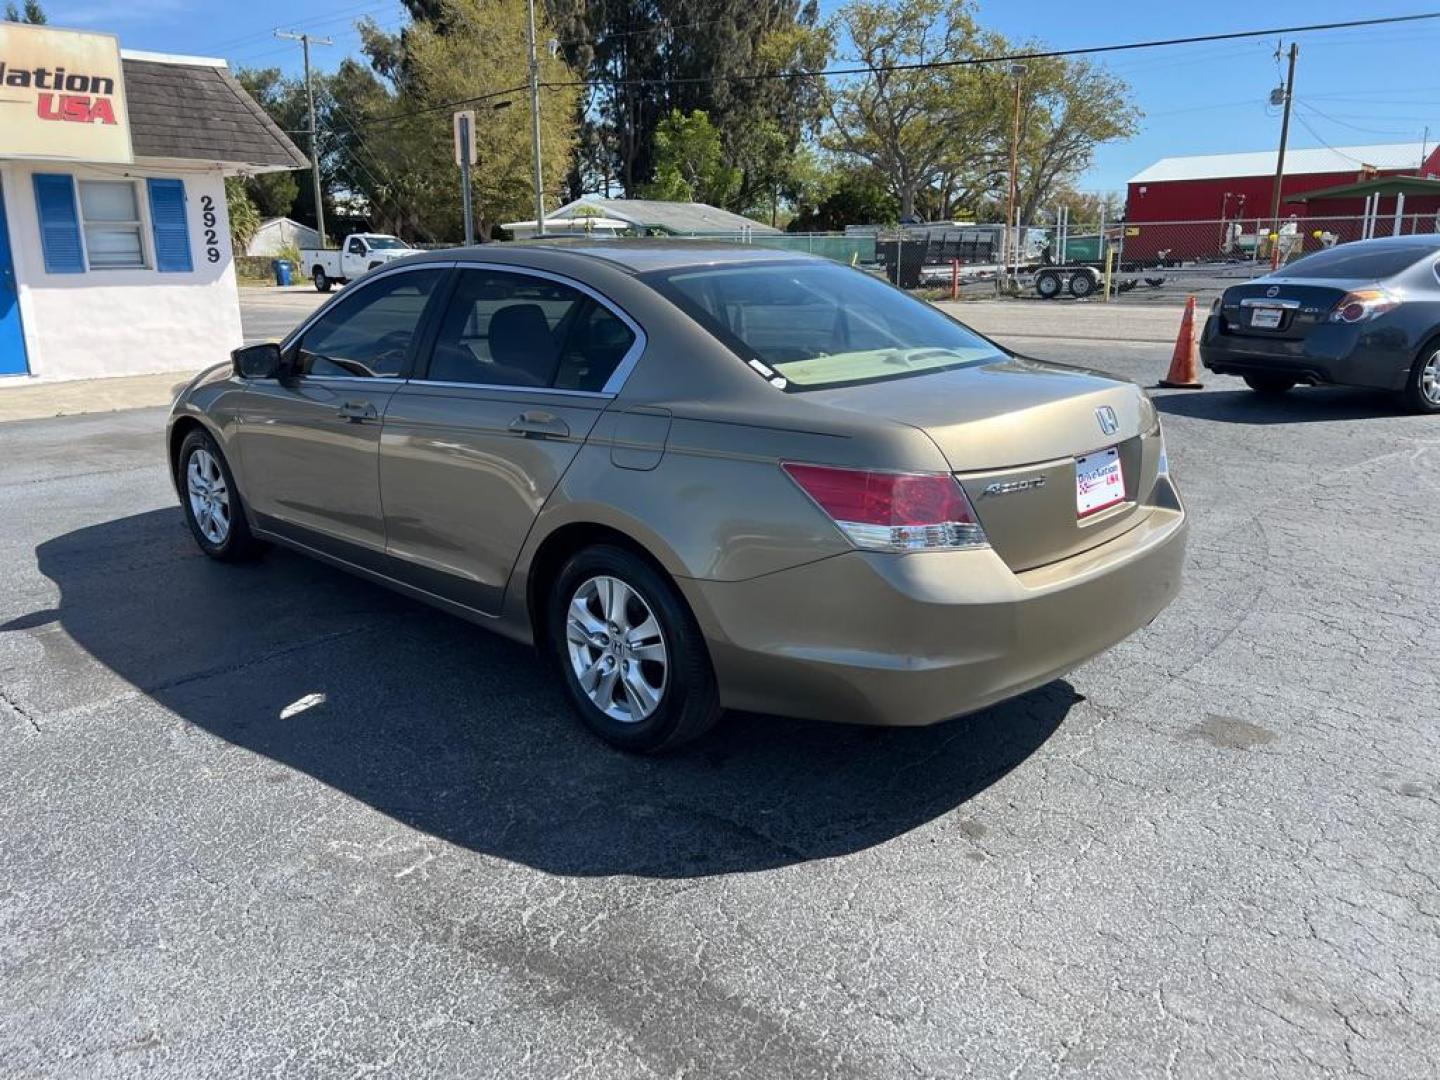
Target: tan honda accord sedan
[[698, 476]]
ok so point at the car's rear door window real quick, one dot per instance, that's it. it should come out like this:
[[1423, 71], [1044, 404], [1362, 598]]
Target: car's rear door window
[[820, 324], [369, 333], [513, 329]]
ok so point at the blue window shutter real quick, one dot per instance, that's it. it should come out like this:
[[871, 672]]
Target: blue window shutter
[[172, 231], [59, 224]]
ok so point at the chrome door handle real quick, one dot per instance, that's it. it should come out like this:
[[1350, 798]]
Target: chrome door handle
[[539, 424], [358, 411]]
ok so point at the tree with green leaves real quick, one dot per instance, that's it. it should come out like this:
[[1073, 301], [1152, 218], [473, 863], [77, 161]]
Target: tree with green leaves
[[275, 194], [31, 13], [915, 125], [690, 161], [244, 217], [1068, 107], [386, 150], [851, 196], [649, 58], [940, 135]]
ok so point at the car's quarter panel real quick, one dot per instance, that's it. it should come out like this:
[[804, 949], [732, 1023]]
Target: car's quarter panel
[[464, 470], [309, 449]]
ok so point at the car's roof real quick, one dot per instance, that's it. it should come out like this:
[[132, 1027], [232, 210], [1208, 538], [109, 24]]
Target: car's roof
[[638, 254], [1405, 240]]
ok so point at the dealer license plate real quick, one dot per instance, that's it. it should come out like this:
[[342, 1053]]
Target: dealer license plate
[[1265, 318], [1099, 481]]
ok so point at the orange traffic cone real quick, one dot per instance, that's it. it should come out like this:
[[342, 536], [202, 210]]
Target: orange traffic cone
[[1184, 371]]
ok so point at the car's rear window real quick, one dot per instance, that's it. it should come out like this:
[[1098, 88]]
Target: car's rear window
[[818, 324], [1359, 262]]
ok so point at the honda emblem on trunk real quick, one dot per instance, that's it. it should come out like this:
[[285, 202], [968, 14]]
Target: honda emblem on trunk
[[1109, 424]]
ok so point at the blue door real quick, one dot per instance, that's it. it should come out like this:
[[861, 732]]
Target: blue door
[[12, 339]]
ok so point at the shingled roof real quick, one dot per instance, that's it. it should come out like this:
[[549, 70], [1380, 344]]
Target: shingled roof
[[194, 109]]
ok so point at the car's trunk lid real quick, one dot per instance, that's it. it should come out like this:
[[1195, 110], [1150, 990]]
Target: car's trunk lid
[[1280, 309], [1012, 433]]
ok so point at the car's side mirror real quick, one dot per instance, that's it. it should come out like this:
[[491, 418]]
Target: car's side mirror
[[258, 361]]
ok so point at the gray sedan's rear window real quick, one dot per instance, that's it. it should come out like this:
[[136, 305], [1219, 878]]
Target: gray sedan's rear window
[[1359, 262], [821, 324]]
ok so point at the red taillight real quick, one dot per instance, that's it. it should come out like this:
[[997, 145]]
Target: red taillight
[[892, 511], [1363, 304]]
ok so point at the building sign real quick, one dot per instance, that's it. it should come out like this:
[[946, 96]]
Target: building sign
[[62, 95]]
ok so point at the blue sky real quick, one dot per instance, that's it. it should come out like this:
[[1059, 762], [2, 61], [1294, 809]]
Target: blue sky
[[1353, 87]]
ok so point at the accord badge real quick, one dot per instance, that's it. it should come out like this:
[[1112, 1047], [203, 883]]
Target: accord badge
[[1012, 486]]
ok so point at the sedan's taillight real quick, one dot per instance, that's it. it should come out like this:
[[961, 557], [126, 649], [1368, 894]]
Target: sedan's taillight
[[1363, 304], [887, 511]]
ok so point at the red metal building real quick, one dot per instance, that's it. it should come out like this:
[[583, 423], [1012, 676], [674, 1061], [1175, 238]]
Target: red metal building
[[1231, 193]]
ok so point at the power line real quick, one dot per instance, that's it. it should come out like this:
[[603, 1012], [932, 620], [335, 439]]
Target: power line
[[446, 105], [873, 69], [1038, 54]]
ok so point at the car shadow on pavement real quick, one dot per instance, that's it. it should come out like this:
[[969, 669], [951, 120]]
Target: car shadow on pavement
[[465, 736], [1302, 405]]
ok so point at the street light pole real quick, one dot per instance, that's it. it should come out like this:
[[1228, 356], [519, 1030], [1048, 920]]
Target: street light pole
[[305, 40], [1017, 71], [535, 119], [1280, 159]]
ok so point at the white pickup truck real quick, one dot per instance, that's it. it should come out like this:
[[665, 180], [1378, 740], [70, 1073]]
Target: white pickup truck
[[359, 253]]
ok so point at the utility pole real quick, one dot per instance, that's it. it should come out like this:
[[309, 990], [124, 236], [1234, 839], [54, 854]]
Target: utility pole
[[305, 40], [535, 120], [1280, 160], [1017, 71]]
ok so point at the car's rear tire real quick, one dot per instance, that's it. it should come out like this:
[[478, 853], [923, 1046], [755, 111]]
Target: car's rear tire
[[1269, 385], [630, 652], [1422, 389], [321, 279], [211, 501]]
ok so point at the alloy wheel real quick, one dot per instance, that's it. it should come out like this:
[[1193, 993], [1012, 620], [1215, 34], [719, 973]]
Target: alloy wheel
[[209, 496], [617, 649], [1430, 379]]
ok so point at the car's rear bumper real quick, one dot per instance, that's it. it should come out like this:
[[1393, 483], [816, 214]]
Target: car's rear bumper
[[915, 639], [1329, 354]]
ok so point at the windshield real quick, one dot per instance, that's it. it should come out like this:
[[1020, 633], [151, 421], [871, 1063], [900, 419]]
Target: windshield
[[382, 242], [821, 324], [1359, 262]]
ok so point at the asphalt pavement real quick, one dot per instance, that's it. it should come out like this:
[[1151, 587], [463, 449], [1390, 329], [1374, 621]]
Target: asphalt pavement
[[271, 820]]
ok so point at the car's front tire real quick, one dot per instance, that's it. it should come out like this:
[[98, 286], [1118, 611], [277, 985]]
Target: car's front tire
[[630, 652], [1422, 389], [211, 501], [1269, 385]]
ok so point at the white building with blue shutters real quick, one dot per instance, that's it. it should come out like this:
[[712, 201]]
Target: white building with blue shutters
[[110, 266]]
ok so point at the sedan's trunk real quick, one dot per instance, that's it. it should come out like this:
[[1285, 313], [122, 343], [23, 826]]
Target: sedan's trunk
[[1276, 311], [1012, 433]]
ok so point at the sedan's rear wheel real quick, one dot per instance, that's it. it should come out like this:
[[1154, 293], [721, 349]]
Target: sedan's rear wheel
[[212, 504], [1269, 385], [630, 652], [1422, 392]]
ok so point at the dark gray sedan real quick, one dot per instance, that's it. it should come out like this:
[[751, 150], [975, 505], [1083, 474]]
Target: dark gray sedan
[[1365, 314]]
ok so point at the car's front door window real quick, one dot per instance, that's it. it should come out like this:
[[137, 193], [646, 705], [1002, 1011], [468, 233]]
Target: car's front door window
[[369, 334]]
